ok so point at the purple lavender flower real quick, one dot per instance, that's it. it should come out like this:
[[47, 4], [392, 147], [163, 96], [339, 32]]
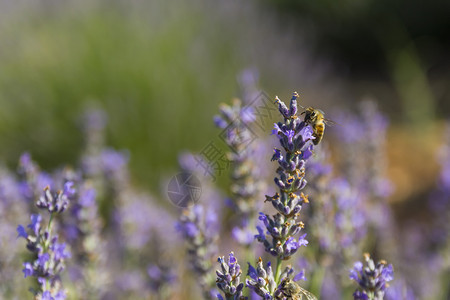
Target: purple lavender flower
[[278, 235], [54, 202], [113, 161], [197, 228], [372, 279], [49, 254], [161, 277], [294, 137], [228, 278], [237, 120], [261, 280]]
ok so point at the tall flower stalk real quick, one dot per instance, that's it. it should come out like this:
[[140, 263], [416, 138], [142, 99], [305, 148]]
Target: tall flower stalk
[[280, 230], [48, 254], [245, 188], [294, 136], [197, 228]]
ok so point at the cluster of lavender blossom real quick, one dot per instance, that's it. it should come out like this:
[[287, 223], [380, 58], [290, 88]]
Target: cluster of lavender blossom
[[48, 254], [91, 234], [74, 248], [279, 233]]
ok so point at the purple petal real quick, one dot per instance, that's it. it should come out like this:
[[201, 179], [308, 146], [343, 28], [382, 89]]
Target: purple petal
[[21, 232], [27, 270]]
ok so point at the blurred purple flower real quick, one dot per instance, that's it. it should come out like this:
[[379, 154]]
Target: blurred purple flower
[[237, 120], [113, 161], [197, 227], [372, 279], [95, 119], [161, 277], [243, 236]]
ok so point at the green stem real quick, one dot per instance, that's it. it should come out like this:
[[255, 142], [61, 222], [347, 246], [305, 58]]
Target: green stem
[[47, 244], [278, 271], [317, 280], [47, 284], [49, 229], [50, 222]]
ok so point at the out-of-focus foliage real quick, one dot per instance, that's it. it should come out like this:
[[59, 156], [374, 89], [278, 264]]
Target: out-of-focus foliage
[[150, 65]]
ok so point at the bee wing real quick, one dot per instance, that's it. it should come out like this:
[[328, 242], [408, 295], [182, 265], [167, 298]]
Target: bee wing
[[307, 294], [330, 122]]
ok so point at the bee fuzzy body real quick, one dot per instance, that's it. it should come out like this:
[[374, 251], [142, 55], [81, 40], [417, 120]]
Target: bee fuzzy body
[[318, 129], [316, 118], [293, 291]]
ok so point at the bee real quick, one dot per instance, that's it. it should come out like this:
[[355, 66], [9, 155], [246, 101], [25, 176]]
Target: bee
[[316, 118], [292, 291]]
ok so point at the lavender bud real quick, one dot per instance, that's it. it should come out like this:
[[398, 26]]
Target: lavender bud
[[372, 280], [279, 183], [282, 108], [293, 105]]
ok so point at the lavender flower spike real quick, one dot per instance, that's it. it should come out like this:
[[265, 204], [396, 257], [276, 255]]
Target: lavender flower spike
[[49, 254], [198, 229], [294, 136], [372, 279], [245, 187], [262, 280], [56, 202], [228, 279]]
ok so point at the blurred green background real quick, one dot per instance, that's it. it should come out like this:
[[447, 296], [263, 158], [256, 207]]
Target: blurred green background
[[160, 68]]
